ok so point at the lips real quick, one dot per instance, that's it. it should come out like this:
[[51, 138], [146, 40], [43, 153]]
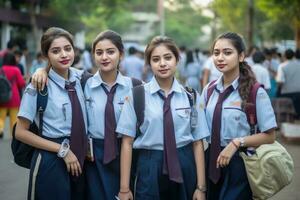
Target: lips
[[163, 71], [221, 65], [105, 63], [65, 62]]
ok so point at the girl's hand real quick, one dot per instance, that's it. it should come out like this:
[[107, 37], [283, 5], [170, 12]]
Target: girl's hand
[[198, 195], [226, 155], [39, 79], [125, 195], [72, 163]]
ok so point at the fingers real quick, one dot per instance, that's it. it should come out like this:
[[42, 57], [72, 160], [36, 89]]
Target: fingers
[[222, 161], [34, 81]]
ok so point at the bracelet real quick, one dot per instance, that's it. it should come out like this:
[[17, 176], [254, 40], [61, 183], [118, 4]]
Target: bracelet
[[124, 192], [64, 148], [201, 188], [236, 146]]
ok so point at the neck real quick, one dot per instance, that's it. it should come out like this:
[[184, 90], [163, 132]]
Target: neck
[[165, 84], [109, 77], [229, 77], [63, 73]]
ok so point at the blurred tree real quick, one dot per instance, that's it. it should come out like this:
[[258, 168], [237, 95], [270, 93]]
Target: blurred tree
[[232, 16], [285, 12]]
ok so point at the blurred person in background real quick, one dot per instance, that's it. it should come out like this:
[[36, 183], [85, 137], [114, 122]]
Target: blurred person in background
[[133, 65], [210, 72], [18, 55], [14, 76], [261, 73], [192, 72], [37, 63], [288, 79]]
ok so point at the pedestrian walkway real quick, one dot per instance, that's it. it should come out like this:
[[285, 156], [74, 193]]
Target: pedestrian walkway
[[14, 179]]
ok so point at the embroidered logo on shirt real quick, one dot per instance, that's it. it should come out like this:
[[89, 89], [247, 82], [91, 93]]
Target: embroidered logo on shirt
[[236, 103], [30, 91]]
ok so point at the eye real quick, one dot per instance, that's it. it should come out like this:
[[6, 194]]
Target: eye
[[55, 51], [168, 57], [216, 53], [227, 53], [155, 60], [98, 53], [68, 48], [110, 52]]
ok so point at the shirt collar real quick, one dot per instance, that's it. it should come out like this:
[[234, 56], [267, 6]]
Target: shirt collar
[[59, 80], [219, 84], [154, 86], [97, 80]]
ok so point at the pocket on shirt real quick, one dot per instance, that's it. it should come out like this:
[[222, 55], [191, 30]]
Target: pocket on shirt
[[67, 112], [235, 122], [183, 112]]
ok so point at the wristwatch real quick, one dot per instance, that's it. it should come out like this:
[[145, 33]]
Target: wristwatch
[[201, 188], [242, 141], [64, 148]]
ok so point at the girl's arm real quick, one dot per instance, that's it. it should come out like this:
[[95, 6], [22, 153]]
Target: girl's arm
[[24, 135], [126, 158], [200, 167]]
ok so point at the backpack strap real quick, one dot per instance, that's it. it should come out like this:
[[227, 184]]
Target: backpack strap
[[192, 95], [250, 107], [136, 82], [210, 89], [84, 77], [138, 93], [41, 104]]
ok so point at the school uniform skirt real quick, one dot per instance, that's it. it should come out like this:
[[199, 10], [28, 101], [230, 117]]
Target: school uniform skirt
[[49, 178], [103, 181], [233, 184], [151, 184]]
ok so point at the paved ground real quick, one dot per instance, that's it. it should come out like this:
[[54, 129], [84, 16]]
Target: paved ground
[[14, 179]]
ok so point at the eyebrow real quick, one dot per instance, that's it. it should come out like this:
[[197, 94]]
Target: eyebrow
[[54, 48], [112, 48], [167, 54]]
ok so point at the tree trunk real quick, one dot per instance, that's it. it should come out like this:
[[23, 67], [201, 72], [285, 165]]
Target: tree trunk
[[297, 34], [33, 23]]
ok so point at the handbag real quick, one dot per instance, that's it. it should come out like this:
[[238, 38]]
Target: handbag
[[268, 170]]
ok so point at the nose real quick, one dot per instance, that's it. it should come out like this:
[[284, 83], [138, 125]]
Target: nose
[[104, 56], [220, 57], [162, 62], [63, 53]]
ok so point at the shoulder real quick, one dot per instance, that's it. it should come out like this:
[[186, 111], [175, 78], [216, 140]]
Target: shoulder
[[30, 90]]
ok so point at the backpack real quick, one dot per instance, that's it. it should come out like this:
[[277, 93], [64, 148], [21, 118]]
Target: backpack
[[5, 88], [250, 108], [22, 152]]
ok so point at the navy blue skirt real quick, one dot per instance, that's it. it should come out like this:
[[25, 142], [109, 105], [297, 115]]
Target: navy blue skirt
[[152, 184], [103, 181], [49, 178], [233, 184]]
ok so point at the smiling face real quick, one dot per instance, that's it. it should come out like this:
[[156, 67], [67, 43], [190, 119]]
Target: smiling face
[[107, 56], [163, 62], [226, 57], [60, 54]]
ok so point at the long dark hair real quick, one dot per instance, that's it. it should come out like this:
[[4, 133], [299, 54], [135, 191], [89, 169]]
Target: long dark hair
[[247, 77]]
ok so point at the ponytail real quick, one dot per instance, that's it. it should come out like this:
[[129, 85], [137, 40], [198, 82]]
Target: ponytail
[[246, 80]]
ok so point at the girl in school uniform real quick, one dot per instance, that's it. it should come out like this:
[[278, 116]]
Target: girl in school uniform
[[58, 160], [227, 122], [170, 162], [105, 93]]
